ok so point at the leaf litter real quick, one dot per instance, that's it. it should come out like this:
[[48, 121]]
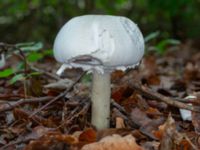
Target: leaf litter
[[140, 119]]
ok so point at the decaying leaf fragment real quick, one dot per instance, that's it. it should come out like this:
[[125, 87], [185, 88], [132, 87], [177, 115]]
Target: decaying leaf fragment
[[114, 142], [171, 139], [51, 141]]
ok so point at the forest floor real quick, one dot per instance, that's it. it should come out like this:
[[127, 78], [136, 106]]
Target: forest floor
[[48, 112]]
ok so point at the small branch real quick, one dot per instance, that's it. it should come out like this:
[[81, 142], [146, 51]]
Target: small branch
[[53, 76], [119, 107], [11, 97], [11, 105], [192, 101], [76, 113], [15, 143], [59, 96], [154, 95]]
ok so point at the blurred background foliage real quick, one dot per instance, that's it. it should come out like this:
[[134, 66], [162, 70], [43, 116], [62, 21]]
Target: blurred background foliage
[[40, 20]]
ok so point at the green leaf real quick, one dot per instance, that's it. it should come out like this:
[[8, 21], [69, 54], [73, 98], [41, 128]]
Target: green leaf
[[6, 72], [121, 1], [151, 36], [32, 57], [31, 46], [35, 73], [19, 66], [86, 78], [161, 46], [24, 44], [16, 78], [48, 52]]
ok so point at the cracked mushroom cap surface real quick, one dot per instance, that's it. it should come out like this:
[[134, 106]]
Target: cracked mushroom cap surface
[[99, 42]]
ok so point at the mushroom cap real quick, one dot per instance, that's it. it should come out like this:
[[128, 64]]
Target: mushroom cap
[[99, 42]]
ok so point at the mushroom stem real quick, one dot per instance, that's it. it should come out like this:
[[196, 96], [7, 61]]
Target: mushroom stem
[[101, 100]]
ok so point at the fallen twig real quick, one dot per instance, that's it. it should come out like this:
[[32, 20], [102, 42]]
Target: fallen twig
[[59, 96], [75, 113], [15, 143], [11, 97], [6, 106], [192, 101], [121, 109], [156, 96], [53, 76]]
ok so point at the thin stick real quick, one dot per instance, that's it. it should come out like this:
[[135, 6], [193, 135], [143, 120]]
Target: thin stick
[[154, 95], [53, 76], [59, 96], [75, 114], [11, 105]]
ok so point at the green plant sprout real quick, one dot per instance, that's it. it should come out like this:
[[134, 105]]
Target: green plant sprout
[[161, 45], [33, 53]]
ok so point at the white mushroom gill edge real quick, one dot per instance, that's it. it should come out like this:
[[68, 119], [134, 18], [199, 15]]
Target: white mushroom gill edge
[[99, 68]]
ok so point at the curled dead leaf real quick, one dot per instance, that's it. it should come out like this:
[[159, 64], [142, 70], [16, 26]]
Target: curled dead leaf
[[51, 141], [114, 142], [89, 135], [120, 122], [170, 137]]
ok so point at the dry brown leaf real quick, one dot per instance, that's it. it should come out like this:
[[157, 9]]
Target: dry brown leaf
[[117, 75], [34, 86], [114, 142], [89, 135], [159, 133], [85, 137], [51, 141], [153, 145], [118, 94], [21, 114], [132, 101], [196, 121], [38, 132], [191, 72], [171, 138], [167, 132], [120, 122], [153, 112], [195, 138], [140, 117], [108, 132], [153, 80], [149, 70], [148, 66]]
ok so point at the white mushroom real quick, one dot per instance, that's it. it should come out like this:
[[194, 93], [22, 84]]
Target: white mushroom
[[101, 44]]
